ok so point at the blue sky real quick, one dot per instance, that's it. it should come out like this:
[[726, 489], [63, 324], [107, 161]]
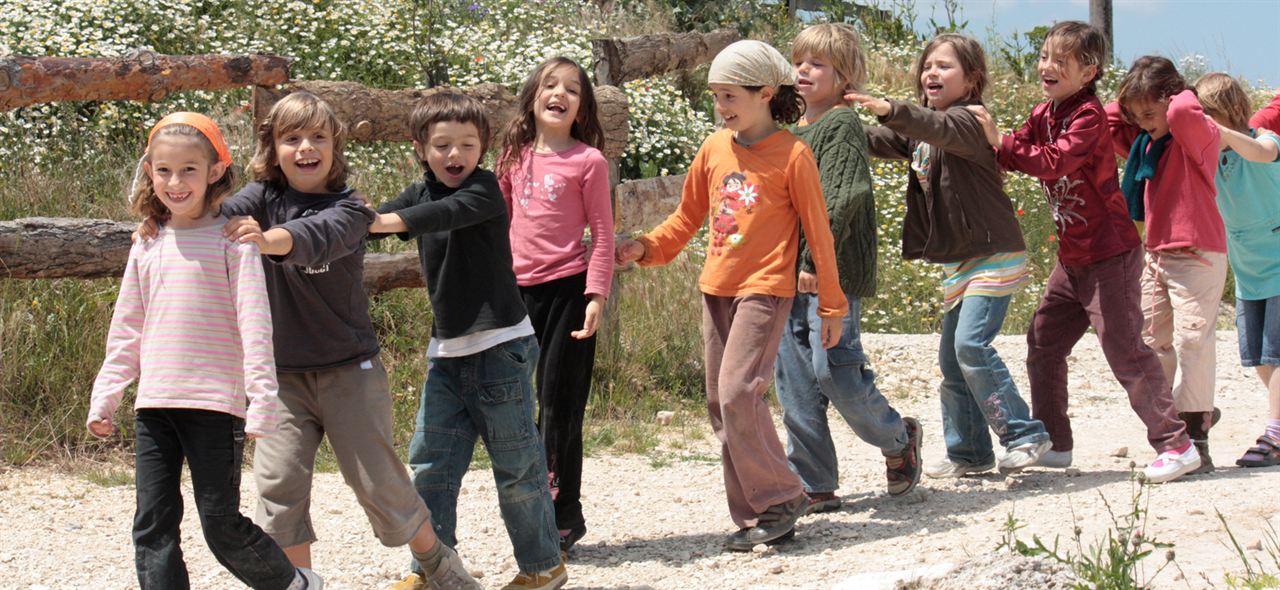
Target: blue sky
[[1237, 36]]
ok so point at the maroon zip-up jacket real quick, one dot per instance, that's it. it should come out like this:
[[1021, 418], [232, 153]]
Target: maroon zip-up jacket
[[1068, 148]]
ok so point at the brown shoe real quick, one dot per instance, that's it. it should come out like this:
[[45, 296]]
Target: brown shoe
[[821, 502], [903, 470]]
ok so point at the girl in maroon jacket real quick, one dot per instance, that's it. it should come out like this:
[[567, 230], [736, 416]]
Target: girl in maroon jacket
[[1065, 144]]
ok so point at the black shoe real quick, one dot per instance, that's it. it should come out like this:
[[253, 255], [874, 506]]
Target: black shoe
[[738, 541], [778, 520], [574, 535]]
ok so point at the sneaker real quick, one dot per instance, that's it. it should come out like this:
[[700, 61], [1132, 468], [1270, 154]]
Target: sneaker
[[1171, 465], [903, 469], [1052, 458], [570, 537], [947, 469], [312, 579], [821, 502], [451, 574], [413, 581], [1022, 456], [543, 580]]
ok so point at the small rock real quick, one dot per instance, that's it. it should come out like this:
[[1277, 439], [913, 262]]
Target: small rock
[[1120, 452], [1011, 481], [664, 417], [1195, 511], [761, 548], [776, 569], [1255, 546], [1072, 472]]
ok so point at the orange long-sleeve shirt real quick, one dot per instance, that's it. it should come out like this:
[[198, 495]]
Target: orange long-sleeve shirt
[[755, 196]]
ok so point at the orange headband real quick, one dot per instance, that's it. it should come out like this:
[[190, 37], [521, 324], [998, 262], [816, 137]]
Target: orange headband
[[203, 124]]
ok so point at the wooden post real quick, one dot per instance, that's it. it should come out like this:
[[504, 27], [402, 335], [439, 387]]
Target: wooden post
[[1100, 17], [144, 75]]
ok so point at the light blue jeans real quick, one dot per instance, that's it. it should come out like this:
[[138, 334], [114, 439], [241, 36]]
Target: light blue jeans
[[809, 378], [487, 394], [977, 391]]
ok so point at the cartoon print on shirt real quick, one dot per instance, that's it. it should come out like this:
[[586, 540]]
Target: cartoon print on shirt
[[548, 189], [736, 194]]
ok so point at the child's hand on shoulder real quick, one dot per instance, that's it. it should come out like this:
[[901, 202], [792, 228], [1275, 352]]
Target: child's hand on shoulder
[[988, 124], [878, 106], [147, 229], [101, 427], [628, 251], [591, 320], [832, 328], [244, 229]]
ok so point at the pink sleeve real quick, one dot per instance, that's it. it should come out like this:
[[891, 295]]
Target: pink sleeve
[[124, 343], [1267, 117], [599, 210], [1191, 128], [253, 317], [1122, 133]]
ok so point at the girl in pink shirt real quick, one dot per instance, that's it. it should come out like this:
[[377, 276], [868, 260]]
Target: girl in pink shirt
[[192, 326], [556, 184]]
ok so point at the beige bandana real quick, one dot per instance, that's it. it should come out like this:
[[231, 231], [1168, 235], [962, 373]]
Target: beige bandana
[[751, 63]]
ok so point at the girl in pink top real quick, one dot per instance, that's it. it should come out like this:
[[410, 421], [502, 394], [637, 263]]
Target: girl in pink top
[[193, 327], [556, 184], [1171, 152]]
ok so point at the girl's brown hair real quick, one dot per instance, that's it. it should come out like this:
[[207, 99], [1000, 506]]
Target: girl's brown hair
[[786, 106], [1085, 42], [298, 111], [973, 61], [143, 200], [523, 128], [1224, 99], [1151, 78], [837, 43]]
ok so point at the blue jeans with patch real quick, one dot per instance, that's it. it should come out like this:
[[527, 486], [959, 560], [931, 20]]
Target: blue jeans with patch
[[488, 394], [809, 378], [977, 391]]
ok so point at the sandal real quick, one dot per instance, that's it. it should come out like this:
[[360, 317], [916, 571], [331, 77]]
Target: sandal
[[1265, 454]]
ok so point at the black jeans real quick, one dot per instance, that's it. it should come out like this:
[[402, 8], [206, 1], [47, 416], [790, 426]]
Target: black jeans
[[213, 444], [557, 308]]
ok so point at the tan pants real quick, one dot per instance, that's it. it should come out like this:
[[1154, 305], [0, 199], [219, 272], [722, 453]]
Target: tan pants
[[741, 336], [352, 406], [1180, 296]]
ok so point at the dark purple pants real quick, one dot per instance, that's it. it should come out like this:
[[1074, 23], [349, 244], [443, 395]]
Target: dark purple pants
[[1105, 295]]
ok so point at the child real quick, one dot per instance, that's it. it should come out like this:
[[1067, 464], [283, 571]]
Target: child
[[828, 63], [1095, 281], [749, 284], [1267, 117], [482, 350], [1248, 183], [958, 215], [1172, 153], [192, 326], [331, 380], [556, 184]]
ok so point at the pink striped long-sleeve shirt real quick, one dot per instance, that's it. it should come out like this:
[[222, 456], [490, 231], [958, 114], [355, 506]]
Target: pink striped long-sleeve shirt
[[193, 326]]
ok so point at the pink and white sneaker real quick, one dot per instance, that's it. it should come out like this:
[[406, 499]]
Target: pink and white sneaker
[[1172, 464]]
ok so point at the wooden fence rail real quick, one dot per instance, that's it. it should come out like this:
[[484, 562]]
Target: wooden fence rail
[[646, 56]]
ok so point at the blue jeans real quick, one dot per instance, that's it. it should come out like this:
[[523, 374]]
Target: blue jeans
[[976, 389], [809, 378], [487, 394]]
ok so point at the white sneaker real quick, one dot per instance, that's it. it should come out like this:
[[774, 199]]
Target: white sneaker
[[948, 469], [451, 574], [312, 579], [1171, 465], [1023, 456], [1052, 458]]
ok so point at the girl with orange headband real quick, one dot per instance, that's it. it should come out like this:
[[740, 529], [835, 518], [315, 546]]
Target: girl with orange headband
[[192, 326]]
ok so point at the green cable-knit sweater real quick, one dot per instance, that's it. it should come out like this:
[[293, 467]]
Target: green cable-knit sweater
[[840, 145]]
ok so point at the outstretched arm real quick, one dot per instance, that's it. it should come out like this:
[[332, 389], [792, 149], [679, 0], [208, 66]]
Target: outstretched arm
[[1264, 148]]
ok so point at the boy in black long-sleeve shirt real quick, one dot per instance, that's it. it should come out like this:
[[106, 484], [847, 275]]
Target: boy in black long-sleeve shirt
[[482, 350]]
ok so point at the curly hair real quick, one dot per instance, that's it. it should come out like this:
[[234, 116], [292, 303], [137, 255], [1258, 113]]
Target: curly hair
[[300, 110], [523, 128], [143, 200]]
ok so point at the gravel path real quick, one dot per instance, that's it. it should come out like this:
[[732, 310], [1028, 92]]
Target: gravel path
[[658, 521]]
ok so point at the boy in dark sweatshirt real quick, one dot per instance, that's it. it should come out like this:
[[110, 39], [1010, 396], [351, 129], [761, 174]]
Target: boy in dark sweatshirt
[[482, 350], [1064, 144]]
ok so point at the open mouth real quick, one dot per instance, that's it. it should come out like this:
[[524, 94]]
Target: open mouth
[[307, 164], [933, 88], [1048, 82], [557, 108], [454, 169], [178, 197]]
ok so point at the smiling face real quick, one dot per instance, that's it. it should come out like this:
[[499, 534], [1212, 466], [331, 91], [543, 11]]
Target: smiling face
[[555, 107], [305, 156], [1151, 116], [942, 78], [452, 151], [742, 110], [181, 172], [1061, 73], [819, 84]]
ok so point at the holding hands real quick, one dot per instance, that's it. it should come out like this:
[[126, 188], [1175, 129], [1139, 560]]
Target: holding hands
[[628, 251]]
